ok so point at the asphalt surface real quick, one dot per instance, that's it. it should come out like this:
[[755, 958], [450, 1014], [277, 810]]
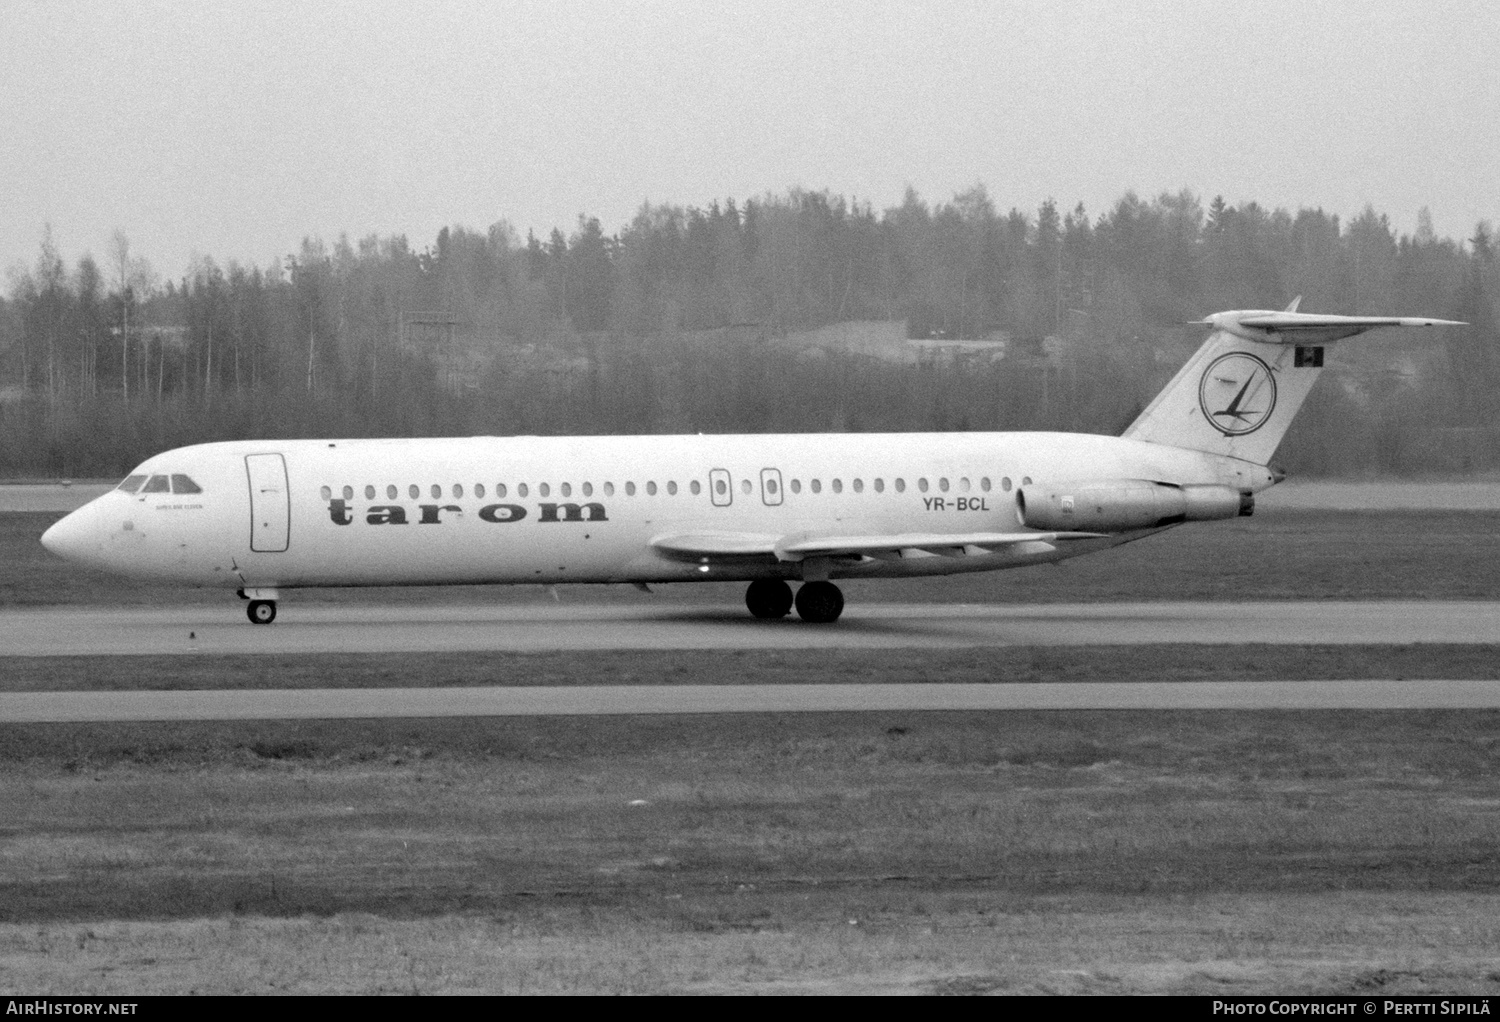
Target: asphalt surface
[[407, 628], [296, 704]]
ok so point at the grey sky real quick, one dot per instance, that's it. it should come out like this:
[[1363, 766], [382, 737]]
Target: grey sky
[[234, 130]]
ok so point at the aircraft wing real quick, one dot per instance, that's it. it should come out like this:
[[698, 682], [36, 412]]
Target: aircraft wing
[[715, 544], [884, 545]]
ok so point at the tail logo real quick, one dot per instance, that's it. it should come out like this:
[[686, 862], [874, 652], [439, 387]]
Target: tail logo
[[1237, 393]]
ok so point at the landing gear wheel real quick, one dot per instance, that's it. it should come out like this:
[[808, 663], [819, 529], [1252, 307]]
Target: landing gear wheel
[[819, 603], [769, 598], [261, 612]]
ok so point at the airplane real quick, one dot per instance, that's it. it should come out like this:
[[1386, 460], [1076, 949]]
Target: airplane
[[261, 516]]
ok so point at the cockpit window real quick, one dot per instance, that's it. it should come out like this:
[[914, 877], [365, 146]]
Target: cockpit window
[[158, 484], [131, 483], [182, 484]]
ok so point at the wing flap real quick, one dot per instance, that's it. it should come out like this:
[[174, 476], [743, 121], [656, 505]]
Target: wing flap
[[884, 546], [944, 544]]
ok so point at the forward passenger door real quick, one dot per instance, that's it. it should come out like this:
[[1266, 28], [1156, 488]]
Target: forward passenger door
[[270, 503]]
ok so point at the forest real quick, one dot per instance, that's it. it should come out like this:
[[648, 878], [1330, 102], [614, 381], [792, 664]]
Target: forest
[[681, 322]]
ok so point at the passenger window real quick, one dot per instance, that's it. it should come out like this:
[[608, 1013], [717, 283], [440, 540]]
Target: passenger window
[[182, 484], [521, 489], [879, 485], [158, 484], [1005, 484], [544, 489], [458, 490], [609, 489], [651, 488], [721, 487], [630, 489], [500, 490], [984, 484], [671, 488], [369, 493], [415, 491], [900, 485], [745, 486], [348, 493], [1026, 480], [859, 486], [133, 483], [796, 485], [325, 493], [922, 484], [588, 489], [696, 487], [943, 484], [771, 486], [817, 486], [963, 485], [838, 486], [566, 489], [437, 492], [479, 490]]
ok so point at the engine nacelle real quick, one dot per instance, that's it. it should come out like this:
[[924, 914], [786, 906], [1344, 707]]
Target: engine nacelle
[[1118, 505]]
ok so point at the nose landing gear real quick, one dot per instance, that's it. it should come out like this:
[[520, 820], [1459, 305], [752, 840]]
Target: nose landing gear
[[262, 608]]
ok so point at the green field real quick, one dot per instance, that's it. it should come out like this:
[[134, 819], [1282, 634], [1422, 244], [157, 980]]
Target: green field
[[1206, 852], [1189, 852]]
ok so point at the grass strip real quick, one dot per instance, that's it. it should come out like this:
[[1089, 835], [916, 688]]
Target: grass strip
[[998, 665]]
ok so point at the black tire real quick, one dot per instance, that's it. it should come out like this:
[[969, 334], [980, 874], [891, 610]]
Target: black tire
[[769, 599], [819, 603], [261, 612]]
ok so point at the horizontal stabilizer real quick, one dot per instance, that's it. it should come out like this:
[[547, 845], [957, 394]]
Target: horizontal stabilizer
[[1309, 327]]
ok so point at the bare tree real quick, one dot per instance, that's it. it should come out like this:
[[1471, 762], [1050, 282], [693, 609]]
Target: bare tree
[[134, 278]]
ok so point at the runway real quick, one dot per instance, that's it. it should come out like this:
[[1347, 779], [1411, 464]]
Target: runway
[[397, 628], [529, 701]]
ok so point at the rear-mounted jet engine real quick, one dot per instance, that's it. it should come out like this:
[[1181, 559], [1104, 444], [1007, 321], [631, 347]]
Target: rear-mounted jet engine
[[1119, 505]]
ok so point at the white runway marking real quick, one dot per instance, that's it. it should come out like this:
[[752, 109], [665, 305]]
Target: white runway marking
[[301, 704], [392, 628]]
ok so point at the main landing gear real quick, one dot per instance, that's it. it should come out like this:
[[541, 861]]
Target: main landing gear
[[816, 602]]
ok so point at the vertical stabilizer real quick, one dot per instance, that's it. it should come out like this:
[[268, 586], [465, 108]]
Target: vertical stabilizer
[[1238, 394]]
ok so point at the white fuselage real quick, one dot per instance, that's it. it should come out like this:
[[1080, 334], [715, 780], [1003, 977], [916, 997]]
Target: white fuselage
[[587, 509]]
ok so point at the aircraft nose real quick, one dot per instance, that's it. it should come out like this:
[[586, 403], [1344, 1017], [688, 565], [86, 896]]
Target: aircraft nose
[[69, 536]]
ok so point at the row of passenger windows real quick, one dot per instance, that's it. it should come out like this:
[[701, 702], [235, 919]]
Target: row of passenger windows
[[160, 484], [721, 488]]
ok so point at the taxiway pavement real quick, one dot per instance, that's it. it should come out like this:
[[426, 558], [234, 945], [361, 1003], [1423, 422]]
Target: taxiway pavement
[[408, 628], [527, 701]]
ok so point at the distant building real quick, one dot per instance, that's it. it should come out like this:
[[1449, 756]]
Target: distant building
[[887, 339]]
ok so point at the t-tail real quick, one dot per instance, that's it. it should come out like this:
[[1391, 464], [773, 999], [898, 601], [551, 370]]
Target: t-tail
[[1238, 395]]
